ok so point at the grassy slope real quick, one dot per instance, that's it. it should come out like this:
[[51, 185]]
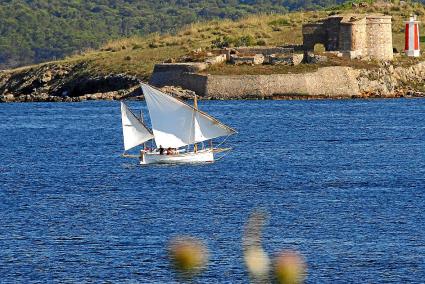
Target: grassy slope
[[137, 55]]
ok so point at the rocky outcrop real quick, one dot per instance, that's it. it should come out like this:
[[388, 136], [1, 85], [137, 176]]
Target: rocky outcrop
[[57, 82], [388, 81], [65, 83]]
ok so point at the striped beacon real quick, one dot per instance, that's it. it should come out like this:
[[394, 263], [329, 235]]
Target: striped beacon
[[411, 46]]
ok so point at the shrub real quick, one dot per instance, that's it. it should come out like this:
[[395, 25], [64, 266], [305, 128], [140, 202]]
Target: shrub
[[247, 40], [280, 22], [153, 45], [223, 42], [261, 42]]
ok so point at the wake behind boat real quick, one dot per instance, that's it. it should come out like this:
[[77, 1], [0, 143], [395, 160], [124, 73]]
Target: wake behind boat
[[177, 129]]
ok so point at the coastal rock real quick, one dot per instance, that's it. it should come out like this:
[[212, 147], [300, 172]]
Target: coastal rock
[[7, 98], [47, 77], [179, 92]]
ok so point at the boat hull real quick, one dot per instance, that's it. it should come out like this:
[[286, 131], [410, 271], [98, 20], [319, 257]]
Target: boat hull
[[206, 156]]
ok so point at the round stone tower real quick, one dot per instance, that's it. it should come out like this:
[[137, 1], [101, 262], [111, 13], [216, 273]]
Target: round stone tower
[[379, 37]]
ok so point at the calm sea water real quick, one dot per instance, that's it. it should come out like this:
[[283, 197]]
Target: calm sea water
[[343, 183]]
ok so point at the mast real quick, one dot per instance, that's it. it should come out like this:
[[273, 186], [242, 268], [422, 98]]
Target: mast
[[195, 106], [143, 121]]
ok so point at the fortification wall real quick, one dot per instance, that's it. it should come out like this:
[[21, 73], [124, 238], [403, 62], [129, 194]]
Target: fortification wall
[[326, 82], [180, 67], [186, 80]]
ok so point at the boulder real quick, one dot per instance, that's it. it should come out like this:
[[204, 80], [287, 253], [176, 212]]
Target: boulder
[[8, 98], [315, 58], [178, 92], [297, 59]]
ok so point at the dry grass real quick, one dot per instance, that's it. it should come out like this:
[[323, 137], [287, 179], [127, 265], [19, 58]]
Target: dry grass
[[227, 69]]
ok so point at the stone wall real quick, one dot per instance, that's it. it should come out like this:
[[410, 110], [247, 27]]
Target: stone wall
[[180, 67], [358, 36], [293, 59], [251, 60], [345, 37], [326, 82], [314, 33], [264, 50], [170, 77], [379, 37], [332, 26]]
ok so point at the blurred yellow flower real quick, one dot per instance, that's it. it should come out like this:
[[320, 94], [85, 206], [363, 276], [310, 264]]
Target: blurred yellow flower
[[188, 255], [289, 268], [257, 261]]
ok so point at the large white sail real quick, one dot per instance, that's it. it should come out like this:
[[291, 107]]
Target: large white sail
[[134, 131], [176, 124]]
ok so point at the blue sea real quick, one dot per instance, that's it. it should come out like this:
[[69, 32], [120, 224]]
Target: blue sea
[[343, 183]]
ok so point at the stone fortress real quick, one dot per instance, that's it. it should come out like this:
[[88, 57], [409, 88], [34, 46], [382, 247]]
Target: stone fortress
[[355, 36], [349, 37]]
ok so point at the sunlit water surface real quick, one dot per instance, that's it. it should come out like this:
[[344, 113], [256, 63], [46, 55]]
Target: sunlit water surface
[[343, 182]]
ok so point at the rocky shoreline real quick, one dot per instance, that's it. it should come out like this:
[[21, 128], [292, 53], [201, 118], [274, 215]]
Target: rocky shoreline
[[65, 83]]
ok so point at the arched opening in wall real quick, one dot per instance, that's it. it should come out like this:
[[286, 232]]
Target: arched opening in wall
[[319, 48]]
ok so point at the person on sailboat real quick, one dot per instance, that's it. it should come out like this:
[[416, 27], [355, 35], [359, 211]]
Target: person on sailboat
[[161, 150], [171, 151]]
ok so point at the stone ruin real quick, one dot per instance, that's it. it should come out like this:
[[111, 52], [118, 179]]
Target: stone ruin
[[354, 35], [264, 55], [255, 55]]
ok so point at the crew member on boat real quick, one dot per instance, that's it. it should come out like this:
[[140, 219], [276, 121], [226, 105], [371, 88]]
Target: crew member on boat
[[171, 151], [161, 150]]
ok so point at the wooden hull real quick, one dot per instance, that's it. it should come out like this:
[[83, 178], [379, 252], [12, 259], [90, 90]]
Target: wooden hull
[[204, 156]]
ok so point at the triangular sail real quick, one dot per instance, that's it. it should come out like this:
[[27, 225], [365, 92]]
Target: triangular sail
[[134, 130], [176, 124], [207, 128]]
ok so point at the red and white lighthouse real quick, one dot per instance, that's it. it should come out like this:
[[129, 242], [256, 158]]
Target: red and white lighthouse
[[411, 45]]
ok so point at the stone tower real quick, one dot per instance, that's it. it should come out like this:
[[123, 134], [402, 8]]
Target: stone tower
[[356, 36]]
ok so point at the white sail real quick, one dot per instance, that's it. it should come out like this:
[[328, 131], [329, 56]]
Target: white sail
[[176, 124], [207, 128], [134, 131]]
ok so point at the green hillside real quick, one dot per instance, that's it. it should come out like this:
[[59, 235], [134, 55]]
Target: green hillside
[[137, 55], [33, 31]]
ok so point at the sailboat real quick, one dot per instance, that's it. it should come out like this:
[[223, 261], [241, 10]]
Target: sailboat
[[177, 129]]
